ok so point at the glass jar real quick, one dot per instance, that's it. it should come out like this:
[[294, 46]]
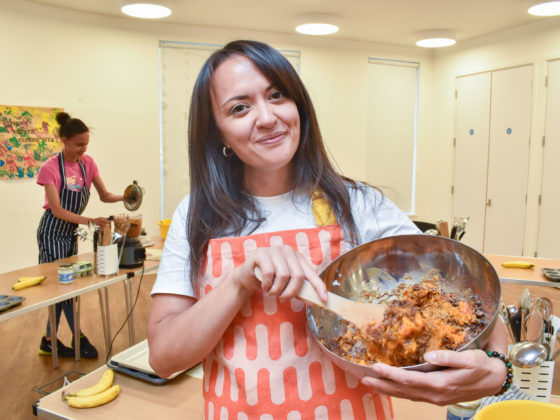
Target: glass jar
[[66, 273]]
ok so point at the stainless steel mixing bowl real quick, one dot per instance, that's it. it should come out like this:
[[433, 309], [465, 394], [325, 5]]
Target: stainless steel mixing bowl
[[383, 264]]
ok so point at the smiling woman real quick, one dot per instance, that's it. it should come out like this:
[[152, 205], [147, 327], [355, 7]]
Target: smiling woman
[[254, 206], [258, 122]]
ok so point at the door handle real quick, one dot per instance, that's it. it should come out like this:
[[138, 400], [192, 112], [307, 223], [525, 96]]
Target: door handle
[[489, 202]]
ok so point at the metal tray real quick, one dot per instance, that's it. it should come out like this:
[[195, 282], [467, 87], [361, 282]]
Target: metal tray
[[9, 301], [134, 361], [551, 273]]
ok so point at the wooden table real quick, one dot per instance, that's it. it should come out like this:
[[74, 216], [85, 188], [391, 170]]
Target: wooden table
[[180, 398], [525, 276], [51, 292]]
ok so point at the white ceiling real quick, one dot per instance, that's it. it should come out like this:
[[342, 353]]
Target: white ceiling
[[385, 21]]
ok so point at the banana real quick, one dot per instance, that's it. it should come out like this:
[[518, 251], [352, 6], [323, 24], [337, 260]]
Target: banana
[[104, 383], [518, 264], [94, 400], [32, 278], [24, 282]]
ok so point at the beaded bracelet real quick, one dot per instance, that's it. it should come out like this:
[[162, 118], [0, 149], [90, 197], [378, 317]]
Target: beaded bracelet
[[509, 376]]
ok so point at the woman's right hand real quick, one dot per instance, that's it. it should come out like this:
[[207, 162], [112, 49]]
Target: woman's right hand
[[283, 272], [101, 221]]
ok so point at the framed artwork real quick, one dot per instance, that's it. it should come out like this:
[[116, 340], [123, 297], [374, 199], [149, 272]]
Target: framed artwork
[[28, 137]]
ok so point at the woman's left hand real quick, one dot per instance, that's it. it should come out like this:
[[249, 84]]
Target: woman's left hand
[[469, 375]]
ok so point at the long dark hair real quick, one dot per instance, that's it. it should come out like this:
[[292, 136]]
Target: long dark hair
[[219, 203]]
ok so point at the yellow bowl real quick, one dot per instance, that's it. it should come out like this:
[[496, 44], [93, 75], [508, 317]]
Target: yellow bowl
[[519, 410], [164, 227]]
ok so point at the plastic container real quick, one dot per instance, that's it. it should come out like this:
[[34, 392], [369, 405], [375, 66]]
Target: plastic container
[[66, 274], [82, 268], [462, 410], [164, 227], [519, 410], [107, 260]]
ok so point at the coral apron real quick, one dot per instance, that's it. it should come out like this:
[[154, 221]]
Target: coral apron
[[267, 366], [56, 237]]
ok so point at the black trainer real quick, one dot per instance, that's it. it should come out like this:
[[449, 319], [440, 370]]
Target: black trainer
[[87, 351], [45, 349]]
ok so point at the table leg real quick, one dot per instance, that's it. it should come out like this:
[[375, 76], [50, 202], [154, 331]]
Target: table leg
[[108, 315], [128, 296], [52, 326], [76, 311], [104, 321]]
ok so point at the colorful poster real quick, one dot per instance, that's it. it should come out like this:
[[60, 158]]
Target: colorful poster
[[27, 138]]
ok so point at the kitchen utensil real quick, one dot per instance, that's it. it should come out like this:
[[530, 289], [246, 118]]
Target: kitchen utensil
[[83, 234], [359, 313], [534, 324], [506, 319], [453, 234], [443, 228], [9, 301], [459, 227], [557, 352], [132, 197], [527, 354], [524, 302], [407, 259], [543, 305], [552, 274], [514, 321]]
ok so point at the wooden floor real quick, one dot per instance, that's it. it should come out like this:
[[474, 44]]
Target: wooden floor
[[23, 372]]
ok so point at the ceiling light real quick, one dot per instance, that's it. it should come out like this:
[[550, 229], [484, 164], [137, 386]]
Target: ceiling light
[[435, 38], [151, 10], [317, 24], [551, 8]]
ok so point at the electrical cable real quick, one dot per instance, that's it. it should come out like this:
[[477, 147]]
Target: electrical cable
[[109, 351]]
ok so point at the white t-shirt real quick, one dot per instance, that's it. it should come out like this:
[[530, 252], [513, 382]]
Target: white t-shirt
[[375, 216]]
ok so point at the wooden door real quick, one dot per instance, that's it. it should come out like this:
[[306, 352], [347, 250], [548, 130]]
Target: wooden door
[[508, 160], [471, 154], [548, 245]]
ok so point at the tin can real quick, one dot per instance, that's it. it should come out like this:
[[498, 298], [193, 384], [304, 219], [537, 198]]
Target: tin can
[[463, 410], [66, 273]]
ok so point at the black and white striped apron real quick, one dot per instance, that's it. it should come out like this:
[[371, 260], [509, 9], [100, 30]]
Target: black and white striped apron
[[56, 237]]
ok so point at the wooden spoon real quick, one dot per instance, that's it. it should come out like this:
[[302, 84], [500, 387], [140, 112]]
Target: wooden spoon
[[358, 313]]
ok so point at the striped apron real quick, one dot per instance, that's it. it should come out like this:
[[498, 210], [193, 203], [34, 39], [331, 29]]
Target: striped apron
[[56, 237], [267, 365]]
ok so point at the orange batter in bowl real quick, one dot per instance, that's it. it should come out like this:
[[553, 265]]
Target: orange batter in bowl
[[421, 317]]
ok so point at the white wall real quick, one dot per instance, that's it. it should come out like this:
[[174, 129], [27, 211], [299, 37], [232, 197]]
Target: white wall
[[534, 43], [105, 71]]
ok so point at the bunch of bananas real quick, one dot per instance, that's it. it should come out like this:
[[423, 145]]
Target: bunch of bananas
[[102, 392], [518, 264], [24, 282]]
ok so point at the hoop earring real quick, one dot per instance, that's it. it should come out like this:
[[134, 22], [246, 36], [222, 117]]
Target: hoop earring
[[228, 152]]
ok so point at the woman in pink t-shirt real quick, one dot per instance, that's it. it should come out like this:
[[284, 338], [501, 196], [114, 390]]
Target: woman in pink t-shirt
[[67, 178]]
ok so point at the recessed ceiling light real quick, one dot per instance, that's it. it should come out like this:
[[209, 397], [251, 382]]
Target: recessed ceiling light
[[435, 38], [551, 8], [145, 10], [317, 24], [317, 29]]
